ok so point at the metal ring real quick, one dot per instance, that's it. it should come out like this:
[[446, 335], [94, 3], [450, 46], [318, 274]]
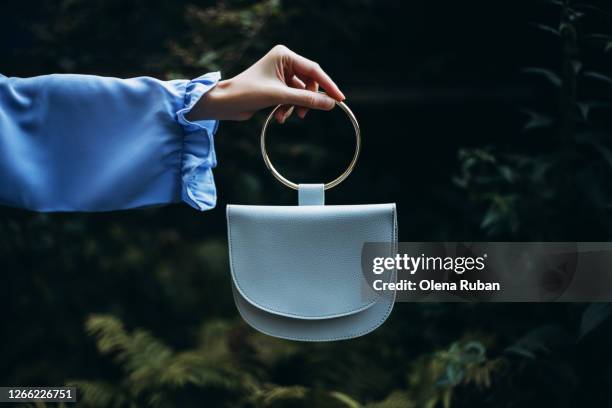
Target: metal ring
[[332, 183]]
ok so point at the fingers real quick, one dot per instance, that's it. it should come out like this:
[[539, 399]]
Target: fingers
[[283, 113], [308, 99], [297, 83], [313, 86], [312, 70]]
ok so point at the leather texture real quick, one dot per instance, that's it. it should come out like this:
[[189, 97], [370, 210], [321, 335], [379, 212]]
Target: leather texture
[[296, 270], [311, 194]]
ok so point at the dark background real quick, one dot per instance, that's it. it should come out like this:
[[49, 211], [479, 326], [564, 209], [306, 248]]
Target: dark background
[[482, 120]]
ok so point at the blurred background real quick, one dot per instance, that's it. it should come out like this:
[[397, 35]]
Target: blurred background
[[483, 121]]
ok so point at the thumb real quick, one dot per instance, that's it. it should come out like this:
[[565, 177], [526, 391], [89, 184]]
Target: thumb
[[309, 99]]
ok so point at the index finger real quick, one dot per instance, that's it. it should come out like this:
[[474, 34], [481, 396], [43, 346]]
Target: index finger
[[311, 69]]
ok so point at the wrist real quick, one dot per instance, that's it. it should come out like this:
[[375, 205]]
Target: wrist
[[210, 105]]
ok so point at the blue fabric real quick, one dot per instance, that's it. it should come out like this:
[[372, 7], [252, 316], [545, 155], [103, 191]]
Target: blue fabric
[[89, 143]]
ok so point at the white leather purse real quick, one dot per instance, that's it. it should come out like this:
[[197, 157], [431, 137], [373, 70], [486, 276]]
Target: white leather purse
[[297, 270]]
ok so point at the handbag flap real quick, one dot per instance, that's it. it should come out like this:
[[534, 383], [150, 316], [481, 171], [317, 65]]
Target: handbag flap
[[305, 261]]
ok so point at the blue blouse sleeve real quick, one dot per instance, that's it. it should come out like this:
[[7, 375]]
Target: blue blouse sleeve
[[89, 143]]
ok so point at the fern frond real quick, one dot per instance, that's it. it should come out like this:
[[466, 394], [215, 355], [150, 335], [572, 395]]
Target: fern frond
[[109, 333], [100, 394], [145, 360]]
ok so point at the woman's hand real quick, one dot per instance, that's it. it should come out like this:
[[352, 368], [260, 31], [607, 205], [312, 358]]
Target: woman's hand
[[280, 77]]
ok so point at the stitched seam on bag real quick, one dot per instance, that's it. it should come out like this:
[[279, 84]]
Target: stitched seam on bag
[[255, 303], [348, 336]]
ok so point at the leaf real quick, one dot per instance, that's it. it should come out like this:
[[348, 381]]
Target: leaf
[[454, 373], [597, 36], [521, 351], [593, 316], [594, 140], [507, 173], [551, 76], [547, 28], [598, 76], [491, 217], [109, 332], [473, 352], [575, 15], [584, 109], [607, 39], [285, 394], [576, 66], [584, 6], [345, 399], [99, 394], [536, 120], [209, 59], [446, 398]]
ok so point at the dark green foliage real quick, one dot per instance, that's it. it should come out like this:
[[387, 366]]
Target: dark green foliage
[[560, 163], [483, 121]]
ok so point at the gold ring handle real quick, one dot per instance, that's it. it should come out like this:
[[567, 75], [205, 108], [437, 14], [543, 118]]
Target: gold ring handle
[[332, 183]]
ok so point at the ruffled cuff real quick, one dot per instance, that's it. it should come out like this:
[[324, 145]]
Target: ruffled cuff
[[198, 153]]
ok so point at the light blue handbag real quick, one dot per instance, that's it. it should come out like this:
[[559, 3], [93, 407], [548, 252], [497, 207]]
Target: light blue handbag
[[297, 270]]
